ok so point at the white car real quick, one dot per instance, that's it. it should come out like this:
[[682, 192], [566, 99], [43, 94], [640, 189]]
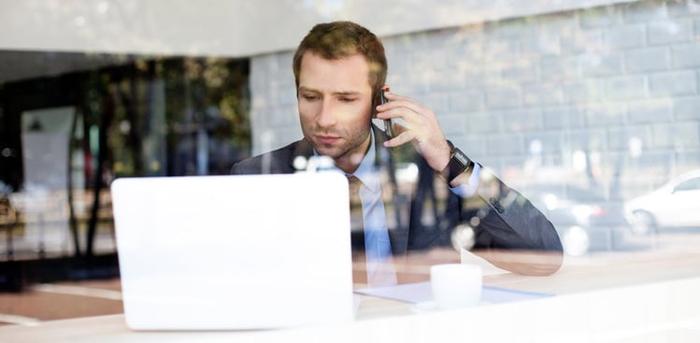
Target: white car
[[675, 204]]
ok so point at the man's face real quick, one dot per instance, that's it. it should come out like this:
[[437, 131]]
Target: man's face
[[335, 100]]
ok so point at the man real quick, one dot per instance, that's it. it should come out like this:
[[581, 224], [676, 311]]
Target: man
[[339, 69]]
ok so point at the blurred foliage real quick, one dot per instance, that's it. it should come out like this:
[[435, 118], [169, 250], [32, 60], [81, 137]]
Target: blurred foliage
[[209, 94]]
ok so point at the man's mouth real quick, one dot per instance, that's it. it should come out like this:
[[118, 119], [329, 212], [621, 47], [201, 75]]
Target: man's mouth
[[327, 139]]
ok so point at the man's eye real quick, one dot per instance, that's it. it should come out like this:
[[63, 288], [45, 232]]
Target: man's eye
[[309, 97], [347, 99]]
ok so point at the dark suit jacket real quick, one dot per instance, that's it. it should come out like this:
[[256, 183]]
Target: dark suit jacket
[[501, 217]]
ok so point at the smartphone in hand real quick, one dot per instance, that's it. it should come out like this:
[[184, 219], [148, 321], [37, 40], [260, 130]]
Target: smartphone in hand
[[388, 124]]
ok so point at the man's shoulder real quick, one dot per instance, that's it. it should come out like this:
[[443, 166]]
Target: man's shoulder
[[278, 161]]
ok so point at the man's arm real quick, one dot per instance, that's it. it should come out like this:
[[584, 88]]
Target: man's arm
[[523, 261], [507, 220], [506, 225], [510, 221], [510, 208]]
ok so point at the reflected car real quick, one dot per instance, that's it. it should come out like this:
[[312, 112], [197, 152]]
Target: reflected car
[[585, 220], [675, 204]]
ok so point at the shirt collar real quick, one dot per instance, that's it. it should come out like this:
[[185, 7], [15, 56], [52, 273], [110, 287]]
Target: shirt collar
[[366, 171]]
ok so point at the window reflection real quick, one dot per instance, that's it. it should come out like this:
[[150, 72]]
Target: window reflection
[[589, 113], [73, 122], [673, 205]]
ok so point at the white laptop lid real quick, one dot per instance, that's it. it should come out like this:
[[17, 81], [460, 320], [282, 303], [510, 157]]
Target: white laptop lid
[[234, 252]]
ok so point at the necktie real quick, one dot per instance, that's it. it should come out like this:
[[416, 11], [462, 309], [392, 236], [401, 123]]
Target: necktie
[[373, 266]]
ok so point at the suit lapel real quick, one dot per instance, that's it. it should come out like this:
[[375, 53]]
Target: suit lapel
[[301, 148]]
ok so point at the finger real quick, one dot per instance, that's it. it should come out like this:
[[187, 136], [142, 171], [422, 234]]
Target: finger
[[404, 113], [401, 139], [398, 128], [401, 103], [393, 96]]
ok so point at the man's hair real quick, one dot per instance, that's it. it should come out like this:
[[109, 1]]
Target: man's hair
[[339, 39]]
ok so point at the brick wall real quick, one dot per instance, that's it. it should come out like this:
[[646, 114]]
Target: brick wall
[[607, 95]]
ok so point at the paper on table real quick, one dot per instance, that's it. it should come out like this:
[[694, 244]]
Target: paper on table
[[421, 292]]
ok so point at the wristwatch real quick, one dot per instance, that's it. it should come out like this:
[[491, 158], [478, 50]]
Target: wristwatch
[[459, 164]]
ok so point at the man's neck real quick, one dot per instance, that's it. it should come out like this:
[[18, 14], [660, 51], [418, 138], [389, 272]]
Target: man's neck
[[349, 162]]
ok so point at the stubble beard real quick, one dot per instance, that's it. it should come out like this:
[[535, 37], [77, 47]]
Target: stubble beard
[[347, 150]]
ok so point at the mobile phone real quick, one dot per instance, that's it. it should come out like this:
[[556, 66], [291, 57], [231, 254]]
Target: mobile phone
[[388, 124]]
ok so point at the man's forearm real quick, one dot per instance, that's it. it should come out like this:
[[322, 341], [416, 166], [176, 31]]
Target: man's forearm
[[524, 262]]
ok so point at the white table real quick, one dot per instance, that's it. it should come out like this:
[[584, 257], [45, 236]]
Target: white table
[[645, 296]]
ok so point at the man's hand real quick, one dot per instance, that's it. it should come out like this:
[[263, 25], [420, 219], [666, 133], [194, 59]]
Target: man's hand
[[419, 126]]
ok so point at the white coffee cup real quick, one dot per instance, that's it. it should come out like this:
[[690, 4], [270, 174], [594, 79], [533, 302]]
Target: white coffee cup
[[456, 285]]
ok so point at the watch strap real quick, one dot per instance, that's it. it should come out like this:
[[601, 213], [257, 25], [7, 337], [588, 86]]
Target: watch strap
[[459, 163]]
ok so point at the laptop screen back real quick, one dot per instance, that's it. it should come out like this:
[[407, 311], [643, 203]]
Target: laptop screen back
[[234, 252]]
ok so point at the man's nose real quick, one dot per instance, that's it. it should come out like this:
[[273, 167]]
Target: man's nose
[[327, 116]]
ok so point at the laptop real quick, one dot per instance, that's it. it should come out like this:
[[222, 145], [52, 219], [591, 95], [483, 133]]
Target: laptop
[[234, 252]]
